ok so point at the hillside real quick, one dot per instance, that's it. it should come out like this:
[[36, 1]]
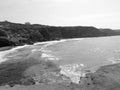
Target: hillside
[[14, 34]]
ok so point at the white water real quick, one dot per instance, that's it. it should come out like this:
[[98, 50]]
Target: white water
[[79, 54]]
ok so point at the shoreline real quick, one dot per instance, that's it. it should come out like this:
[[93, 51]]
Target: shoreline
[[54, 41]]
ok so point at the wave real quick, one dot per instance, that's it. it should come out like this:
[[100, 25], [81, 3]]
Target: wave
[[73, 71]]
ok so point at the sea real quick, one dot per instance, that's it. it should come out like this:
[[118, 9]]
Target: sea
[[75, 57]]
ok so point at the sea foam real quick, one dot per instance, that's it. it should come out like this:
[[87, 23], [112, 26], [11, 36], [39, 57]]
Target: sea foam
[[73, 71]]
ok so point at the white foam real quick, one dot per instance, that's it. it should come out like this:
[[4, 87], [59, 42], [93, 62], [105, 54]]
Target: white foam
[[19, 47], [73, 71], [57, 41], [34, 50], [48, 57], [47, 51], [4, 53], [44, 55], [114, 60], [49, 42]]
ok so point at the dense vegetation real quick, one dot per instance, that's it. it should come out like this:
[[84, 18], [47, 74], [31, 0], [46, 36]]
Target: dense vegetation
[[20, 34]]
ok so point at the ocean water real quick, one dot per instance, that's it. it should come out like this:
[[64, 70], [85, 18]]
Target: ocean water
[[75, 57]]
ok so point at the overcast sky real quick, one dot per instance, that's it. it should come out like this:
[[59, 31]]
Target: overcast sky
[[99, 13]]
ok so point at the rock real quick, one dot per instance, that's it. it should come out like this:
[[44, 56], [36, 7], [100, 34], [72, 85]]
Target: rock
[[105, 78]]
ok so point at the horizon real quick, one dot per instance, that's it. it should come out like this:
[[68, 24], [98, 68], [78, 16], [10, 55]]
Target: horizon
[[96, 13]]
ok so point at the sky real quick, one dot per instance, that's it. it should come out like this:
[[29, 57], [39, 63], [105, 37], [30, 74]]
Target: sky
[[98, 13]]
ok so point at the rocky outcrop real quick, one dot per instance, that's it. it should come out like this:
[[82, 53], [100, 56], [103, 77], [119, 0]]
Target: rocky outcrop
[[105, 78]]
